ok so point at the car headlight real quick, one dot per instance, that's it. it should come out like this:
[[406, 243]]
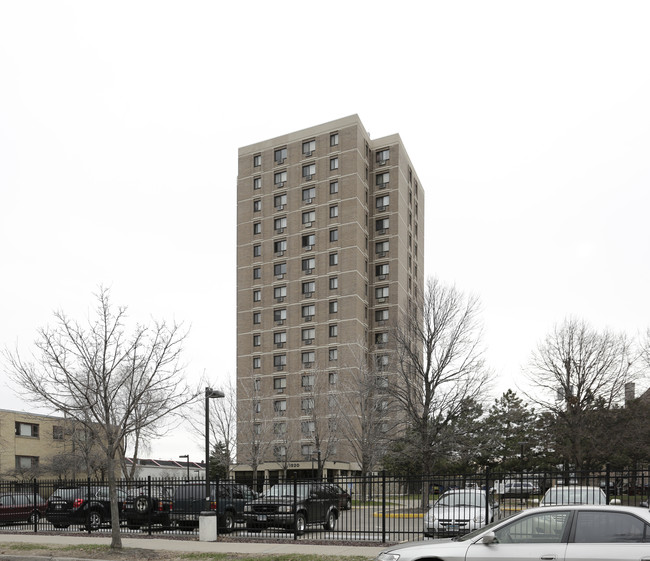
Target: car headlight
[[385, 556]]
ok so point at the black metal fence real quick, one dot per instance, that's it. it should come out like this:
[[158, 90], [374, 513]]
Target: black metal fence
[[378, 508]]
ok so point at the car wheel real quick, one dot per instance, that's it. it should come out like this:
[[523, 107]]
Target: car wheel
[[142, 504], [301, 524], [94, 520], [227, 523], [34, 517], [348, 504], [330, 523]]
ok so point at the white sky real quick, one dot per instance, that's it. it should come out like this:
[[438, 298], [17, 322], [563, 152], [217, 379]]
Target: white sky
[[528, 124]]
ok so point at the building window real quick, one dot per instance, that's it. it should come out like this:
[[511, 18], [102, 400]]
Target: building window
[[257, 227], [381, 247], [279, 178], [334, 330], [334, 211], [279, 201], [381, 381], [26, 429], [309, 287], [257, 340], [334, 235], [257, 183], [309, 264], [307, 404], [381, 315], [257, 205], [257, 250], [334, 163], [334, 139], [307, 450], [382, 179], [381, 224], [334, 354], [279, 292], [257, 362], [382, 202], [280, 269], [332, 378], [257, 272], [26, 462], [280, 246], [280, 314], [308, 381], [57, 432], [308, 241], [309, 147], [381, 338], [257, 295], [280, 155], [308, 357], [382, 362], [334, 283], [257, 318], [280, 361], [308, 194], [381, 292], [280, 224], [309, 311], [257, 408], [309, 217], [308, 334], [280, 406], [280, 337], [307, 427], [308, 171], [334, 307], [334, 187], [279, 428], [383, 156], [257, 160], [334, 259]]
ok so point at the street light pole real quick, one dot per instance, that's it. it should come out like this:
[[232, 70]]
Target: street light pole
[[209, 394], [187, 458]]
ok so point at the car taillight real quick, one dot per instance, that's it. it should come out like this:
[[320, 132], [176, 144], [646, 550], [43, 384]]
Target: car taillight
[[213, 505], [77, 503]]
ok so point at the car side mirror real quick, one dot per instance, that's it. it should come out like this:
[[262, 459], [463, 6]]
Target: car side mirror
[[489, 538]]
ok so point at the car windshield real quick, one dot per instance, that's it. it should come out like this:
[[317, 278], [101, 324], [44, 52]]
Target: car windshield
[[461, 498], [287, 491], [573, 496]]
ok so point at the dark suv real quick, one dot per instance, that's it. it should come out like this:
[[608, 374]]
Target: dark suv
[[144, 507], [189, 501], [73, 505], [294, 507]]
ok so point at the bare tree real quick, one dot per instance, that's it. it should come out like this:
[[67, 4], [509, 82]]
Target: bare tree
[[320, 418], [286, 437], [439, 366], [577, 372], [254, 429], [109, 382], [368, 413]]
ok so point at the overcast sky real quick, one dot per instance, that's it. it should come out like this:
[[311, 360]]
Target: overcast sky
[[528, 124]]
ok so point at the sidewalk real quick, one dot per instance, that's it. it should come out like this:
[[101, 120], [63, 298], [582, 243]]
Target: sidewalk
[[195, 546]]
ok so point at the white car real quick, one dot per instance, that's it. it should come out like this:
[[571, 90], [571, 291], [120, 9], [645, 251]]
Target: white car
[[573, 495], [459, 511], [558, 533]]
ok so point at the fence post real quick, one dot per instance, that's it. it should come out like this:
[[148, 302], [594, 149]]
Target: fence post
[[487, 495], [88, 504], [607, 484], [295, 506], [37, 513], [150, 503], [383, 506]]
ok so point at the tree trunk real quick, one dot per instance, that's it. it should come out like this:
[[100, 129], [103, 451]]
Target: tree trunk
[[116, 537]]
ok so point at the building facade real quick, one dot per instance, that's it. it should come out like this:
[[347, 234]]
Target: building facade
[[330, 232]]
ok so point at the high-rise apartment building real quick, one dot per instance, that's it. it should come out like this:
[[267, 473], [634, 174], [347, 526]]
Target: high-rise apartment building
[[330, 235]]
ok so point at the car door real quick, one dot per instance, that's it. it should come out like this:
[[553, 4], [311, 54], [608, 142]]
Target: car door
[[608, 536], [6, 508], [540, 535]]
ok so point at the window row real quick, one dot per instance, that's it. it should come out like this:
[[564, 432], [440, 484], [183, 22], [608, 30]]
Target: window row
[[308, 149], [307, 360], [309, 311], [308, 336]]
